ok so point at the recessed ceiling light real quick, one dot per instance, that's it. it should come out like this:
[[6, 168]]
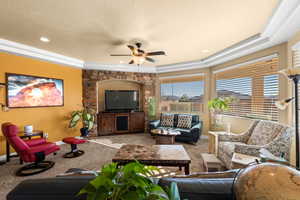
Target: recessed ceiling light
[[44, 39], [205, 51]]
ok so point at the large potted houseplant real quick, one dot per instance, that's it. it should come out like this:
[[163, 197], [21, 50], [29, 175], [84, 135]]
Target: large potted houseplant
[[87, 118], [217, 106], [129, 182]]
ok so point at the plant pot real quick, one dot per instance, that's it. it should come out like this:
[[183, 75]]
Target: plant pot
[[84, 132], [217, 123]]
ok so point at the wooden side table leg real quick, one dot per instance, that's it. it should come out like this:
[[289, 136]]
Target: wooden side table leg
[[7, 152], [187, 169]]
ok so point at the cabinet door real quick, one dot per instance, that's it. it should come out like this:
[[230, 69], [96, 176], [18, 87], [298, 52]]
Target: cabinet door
[[107, 124], [137, 122]]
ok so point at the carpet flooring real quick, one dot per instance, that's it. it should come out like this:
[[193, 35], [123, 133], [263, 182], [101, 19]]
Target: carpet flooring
[[98, 152]]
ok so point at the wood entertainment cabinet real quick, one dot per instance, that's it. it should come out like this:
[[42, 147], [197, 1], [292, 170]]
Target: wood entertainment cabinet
[[125, 122]]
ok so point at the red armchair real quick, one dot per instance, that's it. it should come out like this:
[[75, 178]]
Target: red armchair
[[32, 151]]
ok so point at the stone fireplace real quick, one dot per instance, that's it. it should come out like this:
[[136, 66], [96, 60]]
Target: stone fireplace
[[92, 79]]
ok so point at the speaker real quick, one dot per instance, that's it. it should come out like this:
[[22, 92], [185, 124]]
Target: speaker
[[122, 123]]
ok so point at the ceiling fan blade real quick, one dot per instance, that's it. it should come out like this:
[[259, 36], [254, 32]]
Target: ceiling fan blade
[[131, 47], [120, 55], [140, 51], [150, 59], [131, 62], [156, 53]]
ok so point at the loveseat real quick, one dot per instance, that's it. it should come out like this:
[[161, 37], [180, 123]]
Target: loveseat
[[190, 134], [202, 186], [273, 136]]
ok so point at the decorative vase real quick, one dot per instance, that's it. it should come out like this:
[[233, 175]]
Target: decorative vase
[[84, 132]]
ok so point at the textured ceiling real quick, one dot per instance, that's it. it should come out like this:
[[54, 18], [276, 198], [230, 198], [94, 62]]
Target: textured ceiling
[[91, 30]]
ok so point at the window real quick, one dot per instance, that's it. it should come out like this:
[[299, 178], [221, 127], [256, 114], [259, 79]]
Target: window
[[254, 89], [296, 58], [182, 97]]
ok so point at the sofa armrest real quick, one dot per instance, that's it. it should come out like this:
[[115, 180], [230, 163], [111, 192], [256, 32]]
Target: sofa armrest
[[196, 126], [34, 142], [252, 150], [242, 137], [229, 137], [154, 124]]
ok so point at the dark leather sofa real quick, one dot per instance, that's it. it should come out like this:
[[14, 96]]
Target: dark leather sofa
[[203, 187], [191, 135]]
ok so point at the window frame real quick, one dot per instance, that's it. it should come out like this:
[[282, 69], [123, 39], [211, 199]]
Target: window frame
[[260, 110]]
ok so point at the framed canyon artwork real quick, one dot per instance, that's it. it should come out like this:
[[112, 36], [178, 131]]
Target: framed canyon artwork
[[26, 91]]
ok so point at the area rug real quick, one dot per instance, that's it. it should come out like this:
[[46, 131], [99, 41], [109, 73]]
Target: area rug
[[98, 152]]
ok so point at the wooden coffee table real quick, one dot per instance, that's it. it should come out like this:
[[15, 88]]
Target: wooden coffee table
[[155, 155], [165, 136]]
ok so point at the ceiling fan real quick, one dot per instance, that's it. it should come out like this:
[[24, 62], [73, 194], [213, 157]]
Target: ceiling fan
[[139, 56]]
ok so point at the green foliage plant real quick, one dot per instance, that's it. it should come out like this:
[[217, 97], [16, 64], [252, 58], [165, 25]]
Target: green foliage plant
[[151, 108], [220, 104], [86, 116], [130, 182]]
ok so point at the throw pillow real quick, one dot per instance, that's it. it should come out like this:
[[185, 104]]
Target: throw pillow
[[184, 121], [167, 120]]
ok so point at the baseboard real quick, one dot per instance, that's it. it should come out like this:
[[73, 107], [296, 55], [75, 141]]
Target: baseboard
[[3, 157], [59, 143]]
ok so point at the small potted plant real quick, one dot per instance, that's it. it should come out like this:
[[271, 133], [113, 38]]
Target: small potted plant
[[217, 106], [151, 108], [132, 182], [87, 118]]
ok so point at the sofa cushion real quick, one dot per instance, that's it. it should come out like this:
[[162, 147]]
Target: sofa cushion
[[184, 130], [264, 133], [167, 120], [184, 121]]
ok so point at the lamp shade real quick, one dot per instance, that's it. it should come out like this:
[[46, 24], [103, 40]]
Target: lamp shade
[[290, 72], [281, 104]]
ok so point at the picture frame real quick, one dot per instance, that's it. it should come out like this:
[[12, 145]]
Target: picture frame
[[30, 91]]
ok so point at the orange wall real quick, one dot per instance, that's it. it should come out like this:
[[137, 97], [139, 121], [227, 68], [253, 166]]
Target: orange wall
[[52, 120]]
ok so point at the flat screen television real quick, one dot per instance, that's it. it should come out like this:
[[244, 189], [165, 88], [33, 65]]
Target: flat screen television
[[121, 100]]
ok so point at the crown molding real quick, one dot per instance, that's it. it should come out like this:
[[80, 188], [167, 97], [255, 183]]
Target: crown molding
[[265, 58], [282, 25], [120, 67], [181, 76], [29, 51]]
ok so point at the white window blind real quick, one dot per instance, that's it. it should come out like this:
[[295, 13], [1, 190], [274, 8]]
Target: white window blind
[[254, 88], [182, 95], [296, 58]]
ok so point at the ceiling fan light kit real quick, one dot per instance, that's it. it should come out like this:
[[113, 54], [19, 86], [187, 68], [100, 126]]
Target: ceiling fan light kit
[[140, 56]]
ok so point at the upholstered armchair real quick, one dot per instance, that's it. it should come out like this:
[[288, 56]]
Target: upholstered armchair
[[30, 151], [272, 136]]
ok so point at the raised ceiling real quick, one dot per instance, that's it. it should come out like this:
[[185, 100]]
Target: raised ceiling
[[91, 30]]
